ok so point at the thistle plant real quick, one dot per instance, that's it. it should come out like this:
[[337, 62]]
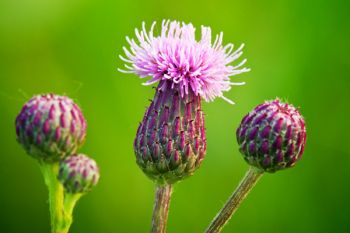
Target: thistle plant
[[78, 174], [170, 142], [271, 138], [51, 128]]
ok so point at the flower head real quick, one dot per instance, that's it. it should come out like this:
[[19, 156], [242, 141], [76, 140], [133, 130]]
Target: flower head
[[78, 173], [170, 143], [50, 127], [272, 136], [176, 55]]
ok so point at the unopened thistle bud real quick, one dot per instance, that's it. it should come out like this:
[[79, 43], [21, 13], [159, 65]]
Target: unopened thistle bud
[[272, 136], [78, 173], [170, 143], [50, 127]]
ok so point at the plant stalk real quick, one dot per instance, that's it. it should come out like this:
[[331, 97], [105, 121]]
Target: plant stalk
[[246, 184], [61, 204], [161, 208], [70, 201], [56, 194]]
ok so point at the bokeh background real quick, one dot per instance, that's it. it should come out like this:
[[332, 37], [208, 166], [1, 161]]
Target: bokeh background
[[297, 50]]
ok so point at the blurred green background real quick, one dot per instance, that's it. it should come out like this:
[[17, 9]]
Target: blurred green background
[[297, 50]]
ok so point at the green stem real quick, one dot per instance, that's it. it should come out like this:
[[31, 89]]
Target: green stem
[[247, 183], [161, 208], [69, 203], [56, 194], [61, 203], [70, 200]]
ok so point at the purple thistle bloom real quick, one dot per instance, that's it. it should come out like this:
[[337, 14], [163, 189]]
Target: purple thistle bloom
[[170, 143], [175, 55]]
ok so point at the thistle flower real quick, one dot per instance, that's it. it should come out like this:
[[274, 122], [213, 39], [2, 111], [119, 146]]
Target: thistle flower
[[50, 127], [200, 66], [170, 143], [272, 136], [78, 173]]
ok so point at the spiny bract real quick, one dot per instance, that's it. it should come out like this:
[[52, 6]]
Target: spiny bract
[[170, 143]]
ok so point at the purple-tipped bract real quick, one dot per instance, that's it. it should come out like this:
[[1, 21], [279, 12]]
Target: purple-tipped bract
[[272, 136], [78, 173], [50, 127], [170, 143]]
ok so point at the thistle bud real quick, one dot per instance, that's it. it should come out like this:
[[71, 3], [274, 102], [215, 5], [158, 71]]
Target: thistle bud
[[272, 136], [50, 127], [78, 173], [170, 143]]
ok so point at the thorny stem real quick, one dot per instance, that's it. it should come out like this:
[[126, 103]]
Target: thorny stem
[[161, 208], [247, 183], [61, 205]]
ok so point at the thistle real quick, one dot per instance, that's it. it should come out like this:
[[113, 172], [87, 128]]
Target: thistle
[[51, 128], [271, 137], [170, 143], [78, 174]]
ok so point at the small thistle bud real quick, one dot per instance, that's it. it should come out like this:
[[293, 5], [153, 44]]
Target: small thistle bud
[[78, 173], [50, 127], [170, 143], [272, 136]]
